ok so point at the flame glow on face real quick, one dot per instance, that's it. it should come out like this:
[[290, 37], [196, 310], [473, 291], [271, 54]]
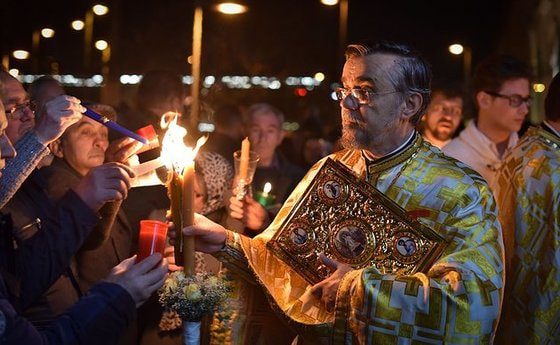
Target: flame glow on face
[[174, 153]]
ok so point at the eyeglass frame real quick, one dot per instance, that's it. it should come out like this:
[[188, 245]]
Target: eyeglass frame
[[512, 99], [20, 107], [341, 94]]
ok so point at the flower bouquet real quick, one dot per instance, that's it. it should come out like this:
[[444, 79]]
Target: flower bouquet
[[191, 297]]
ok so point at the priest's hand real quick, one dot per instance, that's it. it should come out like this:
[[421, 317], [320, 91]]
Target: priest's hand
[[107, 182], [121, 150], [141, 279], [326, 290], [57, 115], [209, 236], [252, 214]]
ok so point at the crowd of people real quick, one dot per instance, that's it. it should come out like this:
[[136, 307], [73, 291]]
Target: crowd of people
[[70, 219]]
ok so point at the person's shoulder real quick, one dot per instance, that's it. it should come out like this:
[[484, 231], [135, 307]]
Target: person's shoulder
[[449, 171]]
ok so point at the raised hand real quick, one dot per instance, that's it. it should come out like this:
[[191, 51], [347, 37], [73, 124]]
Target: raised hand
[[141, 279], [107, 182], [57, 115]]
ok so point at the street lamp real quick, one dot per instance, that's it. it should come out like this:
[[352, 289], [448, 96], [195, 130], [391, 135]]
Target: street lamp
[[99, 10], [35, 39], [78, 25], [228, 8], [458, 49], [342, 25], [231, 8], [20, 54], [105, 49]]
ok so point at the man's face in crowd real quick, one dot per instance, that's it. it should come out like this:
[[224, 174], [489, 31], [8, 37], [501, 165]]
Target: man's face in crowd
[[443, 116], [369, 125], [265, 133], [83, 145], [6, 148], [505, 116], [15, 99]]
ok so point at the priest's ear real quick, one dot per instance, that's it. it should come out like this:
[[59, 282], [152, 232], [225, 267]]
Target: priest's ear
[[56, 148], [411, 105]]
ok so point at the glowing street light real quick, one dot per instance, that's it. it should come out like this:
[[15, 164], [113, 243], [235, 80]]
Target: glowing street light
[[14, 72], [100, 10], [319, 76], [20, 54], [456, 49], [78, 25], [47, 33], [101, 45], [228, 8], [329, 2], [538, 87], [231, 8]]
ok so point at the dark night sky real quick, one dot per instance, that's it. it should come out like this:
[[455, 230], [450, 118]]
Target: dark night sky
[[275, 38]]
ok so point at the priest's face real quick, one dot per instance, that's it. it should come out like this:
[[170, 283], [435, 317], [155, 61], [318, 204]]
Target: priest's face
[[83, 145], [369, 122]]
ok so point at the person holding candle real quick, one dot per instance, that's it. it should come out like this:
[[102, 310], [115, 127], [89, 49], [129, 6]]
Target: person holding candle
[[265, 135], [37, 262], [386, 89]]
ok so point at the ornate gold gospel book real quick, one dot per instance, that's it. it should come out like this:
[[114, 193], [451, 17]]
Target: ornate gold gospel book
[[352, 222]]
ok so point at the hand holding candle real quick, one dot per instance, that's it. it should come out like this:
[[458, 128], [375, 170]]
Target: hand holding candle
[[180, 162]]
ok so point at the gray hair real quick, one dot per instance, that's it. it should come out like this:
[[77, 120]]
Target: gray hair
[[411, 73], [265, 108]]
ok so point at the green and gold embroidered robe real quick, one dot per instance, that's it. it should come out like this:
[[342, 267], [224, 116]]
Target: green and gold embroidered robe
[[530, 213], [457, 301]]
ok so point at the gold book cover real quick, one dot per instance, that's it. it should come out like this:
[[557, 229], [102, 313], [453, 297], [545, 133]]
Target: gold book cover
[[352, 222]]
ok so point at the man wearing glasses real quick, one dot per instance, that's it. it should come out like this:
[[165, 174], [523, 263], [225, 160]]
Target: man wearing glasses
[[501, 91], [443, 116], [386, 89]]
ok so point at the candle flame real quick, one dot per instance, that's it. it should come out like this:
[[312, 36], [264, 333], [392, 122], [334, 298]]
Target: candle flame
[[267, 187], [174, 153]]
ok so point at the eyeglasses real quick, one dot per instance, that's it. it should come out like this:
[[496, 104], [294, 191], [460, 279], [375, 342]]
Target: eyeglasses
[[514, 100], [362, 95], [18, 110], [448, 110]]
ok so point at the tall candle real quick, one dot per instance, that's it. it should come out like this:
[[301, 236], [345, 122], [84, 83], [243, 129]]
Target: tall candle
[[188, 217], [244, 161], [176, 192]]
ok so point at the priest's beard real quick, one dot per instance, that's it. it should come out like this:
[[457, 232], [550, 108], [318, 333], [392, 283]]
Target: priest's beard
[[360, 137]]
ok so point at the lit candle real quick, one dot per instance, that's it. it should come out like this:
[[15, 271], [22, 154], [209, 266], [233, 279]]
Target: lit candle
[[244, 161], [265, 198], [175, 190], [267, 188], [188, 217], [179, 159]]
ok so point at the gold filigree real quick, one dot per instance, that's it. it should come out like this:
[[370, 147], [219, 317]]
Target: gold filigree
[[350, 221]]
